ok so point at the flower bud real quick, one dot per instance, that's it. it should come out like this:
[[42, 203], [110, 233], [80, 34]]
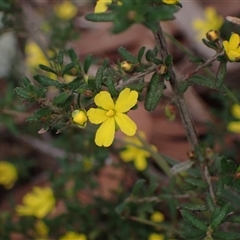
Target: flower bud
[[170, 112], [80, 117], [126, 66], [213, 35], [162, 69]]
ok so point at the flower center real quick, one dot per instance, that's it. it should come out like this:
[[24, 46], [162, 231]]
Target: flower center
[[110, 113]]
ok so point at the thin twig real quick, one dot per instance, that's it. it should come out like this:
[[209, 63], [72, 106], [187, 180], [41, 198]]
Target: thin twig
[[181, 104]]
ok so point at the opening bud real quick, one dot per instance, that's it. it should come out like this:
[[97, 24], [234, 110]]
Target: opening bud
[[213, 35], [80, 118], [162, 69], [126, 66]]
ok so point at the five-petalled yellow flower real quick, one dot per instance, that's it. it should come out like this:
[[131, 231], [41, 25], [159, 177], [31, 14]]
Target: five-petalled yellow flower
[[232, 47], [112, 114], [135, 152], [39, 202], [211, 21], [8, 174]]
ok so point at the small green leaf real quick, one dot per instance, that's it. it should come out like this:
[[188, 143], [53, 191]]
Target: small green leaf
[[67, 68], [220, 216], [227, 166], [46, 81], [183, 86], [72, 55], [140, 53], [47, 69], [154, 92], [26, 82], [23, 93], [204, 81], [127, 55], [196, 182], [60, 57], [210, 202], [137, 86], [139, 186], [193, 234], [168, 60], [221, 74], [76, 83], [226, 235], [99, 78], [199, 224], [87, 62], [149, 55], [111, 87], [100, 17], [210, 44], [61, 99], [120, 208], [40, 113]]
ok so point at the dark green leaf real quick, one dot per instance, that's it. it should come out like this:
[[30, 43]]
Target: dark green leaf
[[204, 81], [111, 87], [139, 186], [60, 57], [221, 74], [140, 54], [196, 182], [226, 235], [23, 93], [87, 62], [73, 55], [61, 98], [193, 234], [137, 86], [149, 55], [40, 113], [210, 202], [67, 68], [127, 55], [76, 83], [100, 17], [119, 209], [199, 224], [168, 60], [154, 92], [210, 44], [47, 69], [99, 78], [182, 87], [220, 216], [46, 81], [227, 166]]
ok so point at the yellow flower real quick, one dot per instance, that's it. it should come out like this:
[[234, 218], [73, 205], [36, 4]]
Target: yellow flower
[[73, 236], [212, 21], [157, 217], [156, 236], [170, 1], [234, 126], [41, 230], [8, 174], [80, 118], [37, 203], [65, 10], [108, 114], [232, 47], [134, 152]]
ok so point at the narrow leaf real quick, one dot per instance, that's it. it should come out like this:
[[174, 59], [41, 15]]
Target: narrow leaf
[[139, 185], [47, 69], [61, 98], [60, 57], [199, 224], [221, 74], [127, 55], [100, 17], [87, 62], [140, 53], [46, 81], [196, 182], [40, 113], [99, 77], [68, 67]]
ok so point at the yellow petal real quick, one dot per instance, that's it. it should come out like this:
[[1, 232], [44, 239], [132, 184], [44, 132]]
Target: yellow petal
[[126, 100], [97, 115], [226, 46], [140, 162], [234, 127], [105, 133], [102, 6], [125, 124], [236, 111], [234, 41], [128, 154], [104, 100]]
